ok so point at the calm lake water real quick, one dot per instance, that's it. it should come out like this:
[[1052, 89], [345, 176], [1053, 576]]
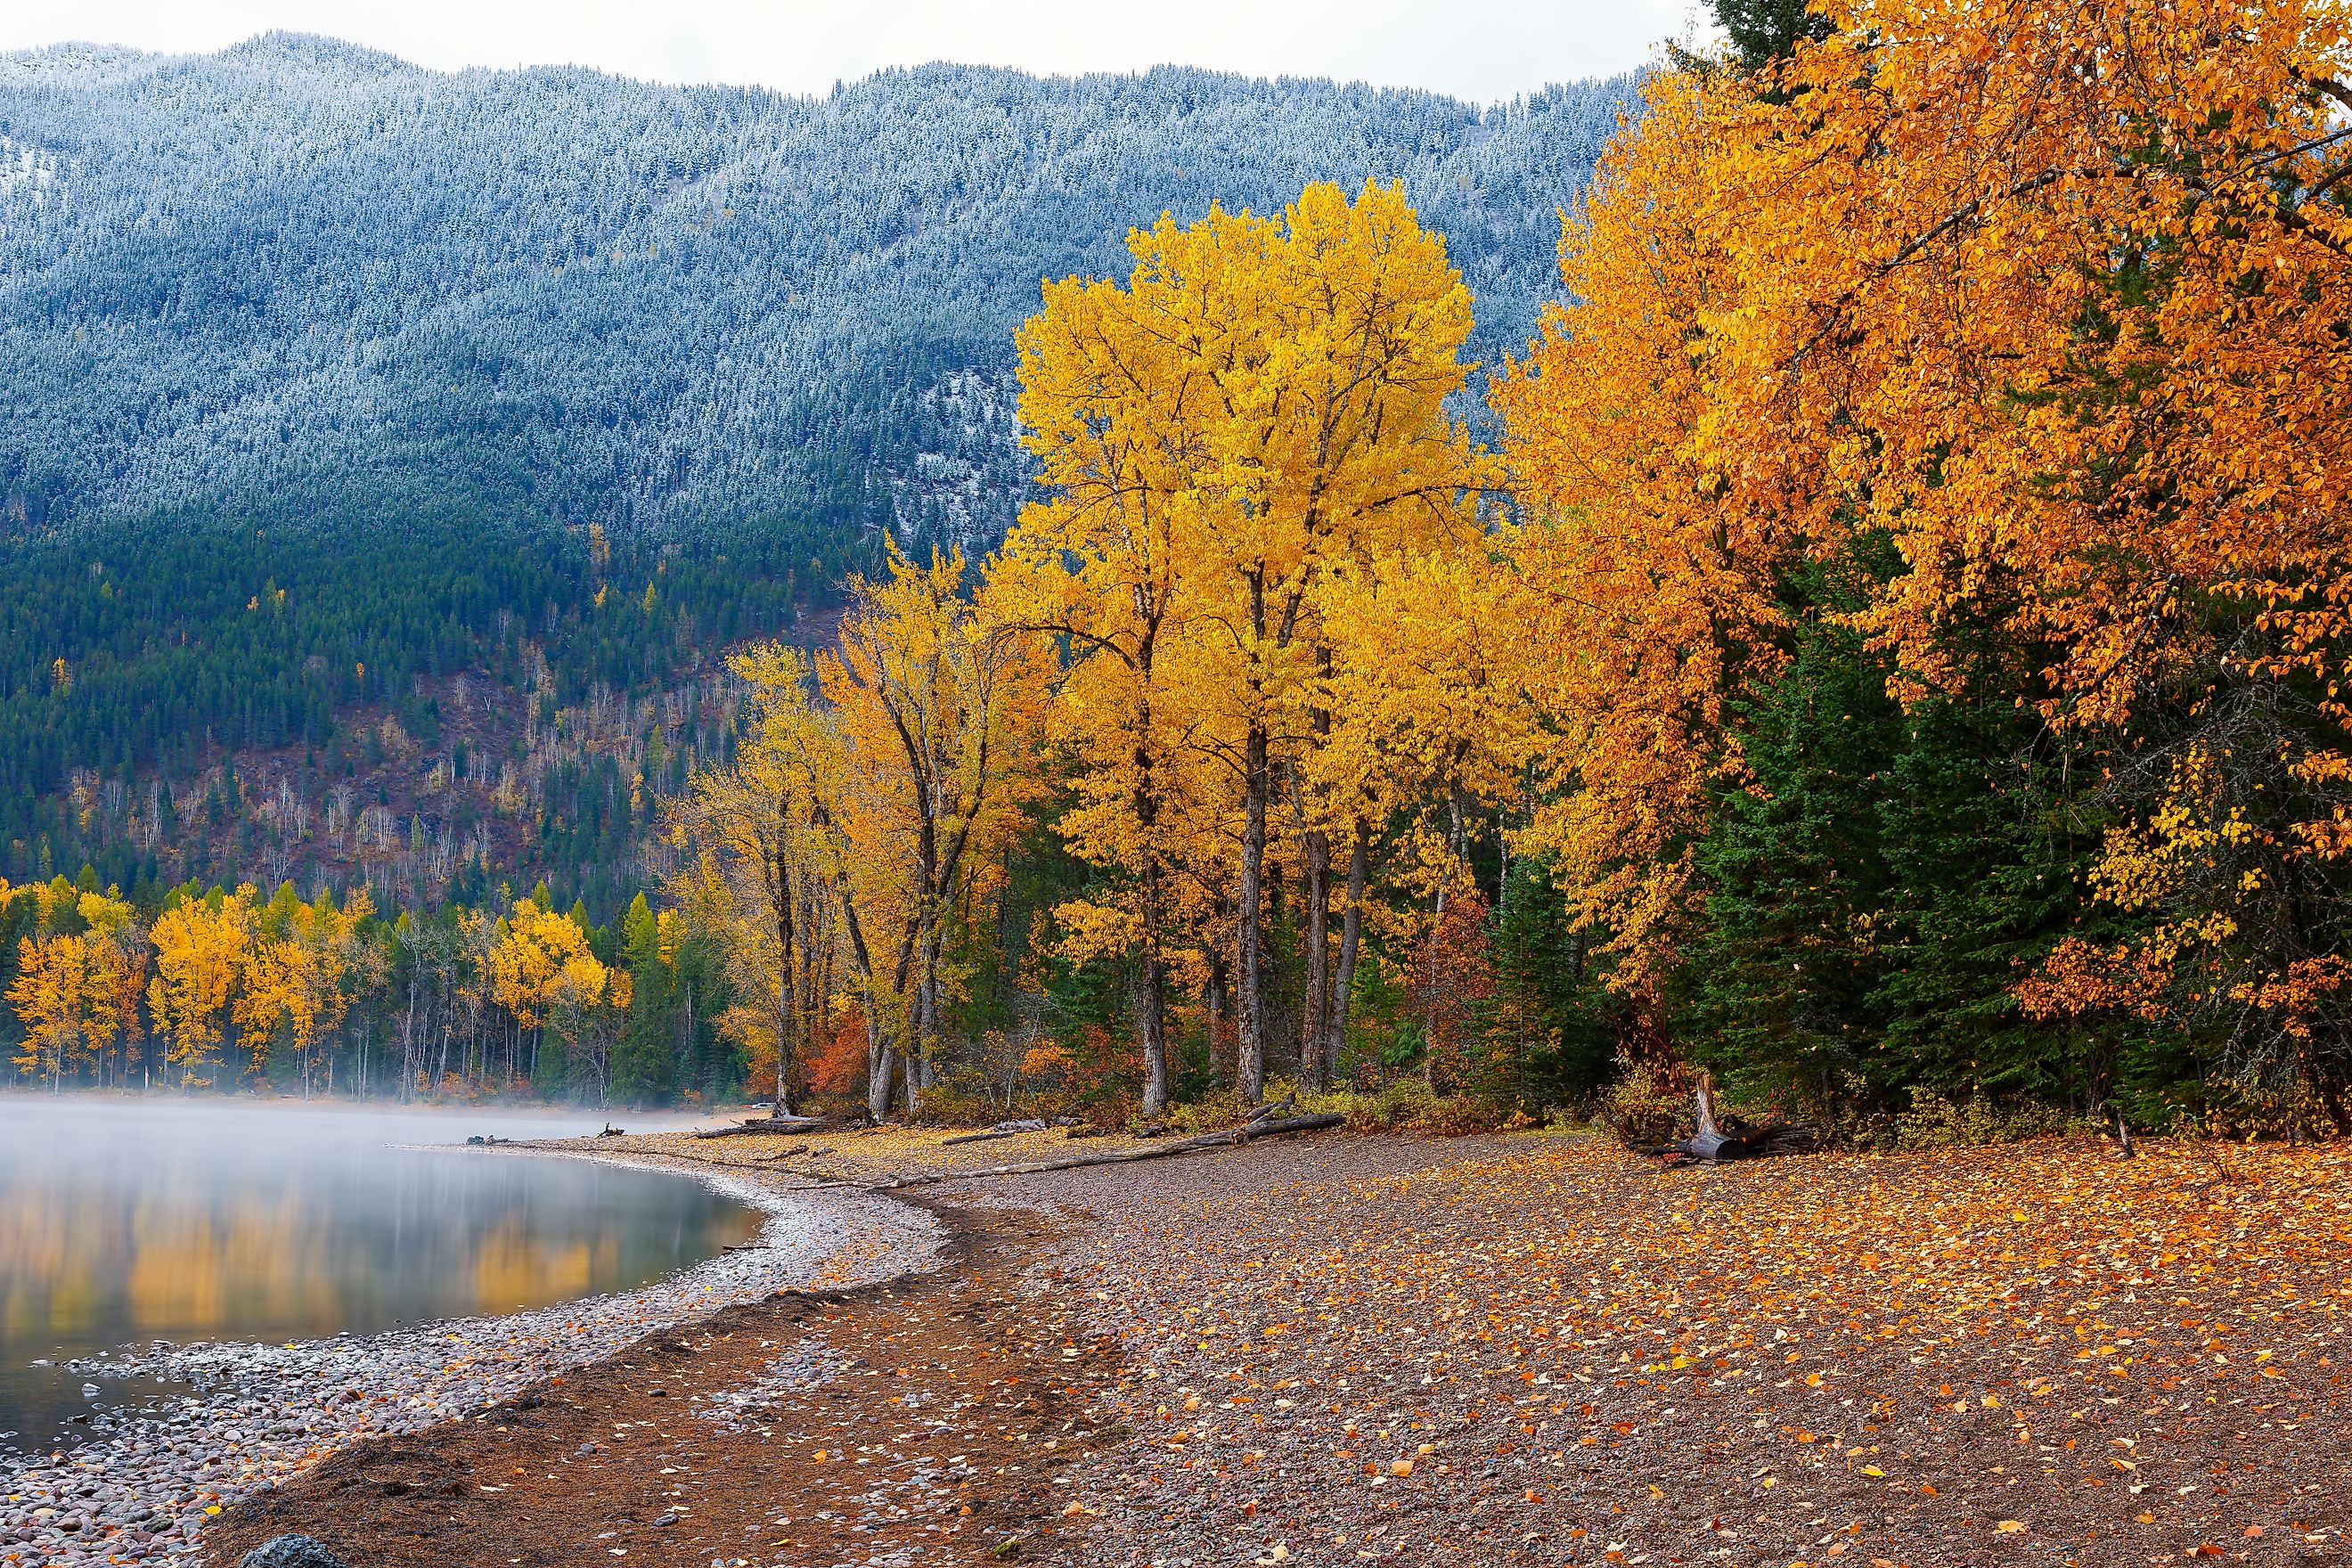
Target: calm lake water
[[124, 1222]]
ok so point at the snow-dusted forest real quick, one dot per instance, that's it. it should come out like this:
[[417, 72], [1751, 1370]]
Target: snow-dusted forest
[[302, 276]]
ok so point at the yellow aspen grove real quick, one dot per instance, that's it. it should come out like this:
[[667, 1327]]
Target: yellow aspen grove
[[118, 953], [538, 964], [296, 974], [52, 996], [73, 991], [200, 948], [1430, 726], [937, 715], [1285, 414]]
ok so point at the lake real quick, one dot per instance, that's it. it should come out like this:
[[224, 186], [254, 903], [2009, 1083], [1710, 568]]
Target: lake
[[127, 1221]]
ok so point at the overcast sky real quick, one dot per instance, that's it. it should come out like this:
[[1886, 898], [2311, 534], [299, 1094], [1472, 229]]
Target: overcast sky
[[1486, 51]]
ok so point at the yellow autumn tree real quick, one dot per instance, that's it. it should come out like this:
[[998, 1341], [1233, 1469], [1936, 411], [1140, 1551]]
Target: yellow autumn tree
[[73, 991], [540, 966], [50, 995], [769, 829], [296, 973], [1261, 403], [935, 715], [1098, 564], [1431, 731], [200, 949]]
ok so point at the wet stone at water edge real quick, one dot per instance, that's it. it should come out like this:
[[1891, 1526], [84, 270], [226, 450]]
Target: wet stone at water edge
[[291, 1552]]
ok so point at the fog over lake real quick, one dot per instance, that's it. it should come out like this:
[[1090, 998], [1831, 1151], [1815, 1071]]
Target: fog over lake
[[128, 1220]]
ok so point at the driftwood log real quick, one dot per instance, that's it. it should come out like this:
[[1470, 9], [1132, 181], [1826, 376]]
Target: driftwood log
[[769, 1125], [1716, 1139], [1249, 1132], [1002, 1130]]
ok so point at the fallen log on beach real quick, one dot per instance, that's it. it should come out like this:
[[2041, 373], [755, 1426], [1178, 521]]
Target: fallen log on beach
[[769, 1125], [1002, 1130], [1248, 1133]]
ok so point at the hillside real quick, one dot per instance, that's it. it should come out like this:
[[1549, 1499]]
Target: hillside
[[298, 264], [315, 366]]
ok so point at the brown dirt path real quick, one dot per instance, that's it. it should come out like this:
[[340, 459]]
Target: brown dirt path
[[925, 1420]]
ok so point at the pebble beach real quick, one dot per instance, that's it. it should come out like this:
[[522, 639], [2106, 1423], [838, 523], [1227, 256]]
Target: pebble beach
[[143, 1487]]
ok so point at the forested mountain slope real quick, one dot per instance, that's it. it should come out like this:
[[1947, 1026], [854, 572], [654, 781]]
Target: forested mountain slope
[[316, 367], [299, 264]]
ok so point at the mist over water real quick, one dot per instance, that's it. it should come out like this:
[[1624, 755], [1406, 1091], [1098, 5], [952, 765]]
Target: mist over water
[[129, 1221]]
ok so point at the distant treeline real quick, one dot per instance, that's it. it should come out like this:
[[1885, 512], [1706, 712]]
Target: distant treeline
[[214, 990]]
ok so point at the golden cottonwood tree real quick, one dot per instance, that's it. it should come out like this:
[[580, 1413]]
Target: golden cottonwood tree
[[51, 994], [771, 830], [296, 972], [937, 714], [1113, 419], [74, 990], [868, 808], [1263, 402], [540, 964], [1430, 728], [1648, 571]]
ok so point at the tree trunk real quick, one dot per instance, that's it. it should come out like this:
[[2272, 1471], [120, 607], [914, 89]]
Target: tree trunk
[[881, 1062], [1213, 1004], [786, 1011], [1249, 1070], [1352, 930], [788, 1006], [1429, 1023], [1314, 1068], [1315, 843], [1151, 1002], [1151, 1027], [878, 1055]]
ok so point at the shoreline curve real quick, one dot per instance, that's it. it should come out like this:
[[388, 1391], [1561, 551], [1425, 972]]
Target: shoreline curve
[[141, 1488]]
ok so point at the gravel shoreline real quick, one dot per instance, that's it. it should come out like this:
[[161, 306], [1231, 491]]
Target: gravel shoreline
[[141, 1488], [1337, 1351]]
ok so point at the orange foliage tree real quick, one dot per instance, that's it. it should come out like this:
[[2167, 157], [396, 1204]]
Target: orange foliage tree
[[2052, 298]]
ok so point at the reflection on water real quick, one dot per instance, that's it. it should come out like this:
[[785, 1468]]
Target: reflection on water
[[126, 1222]]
